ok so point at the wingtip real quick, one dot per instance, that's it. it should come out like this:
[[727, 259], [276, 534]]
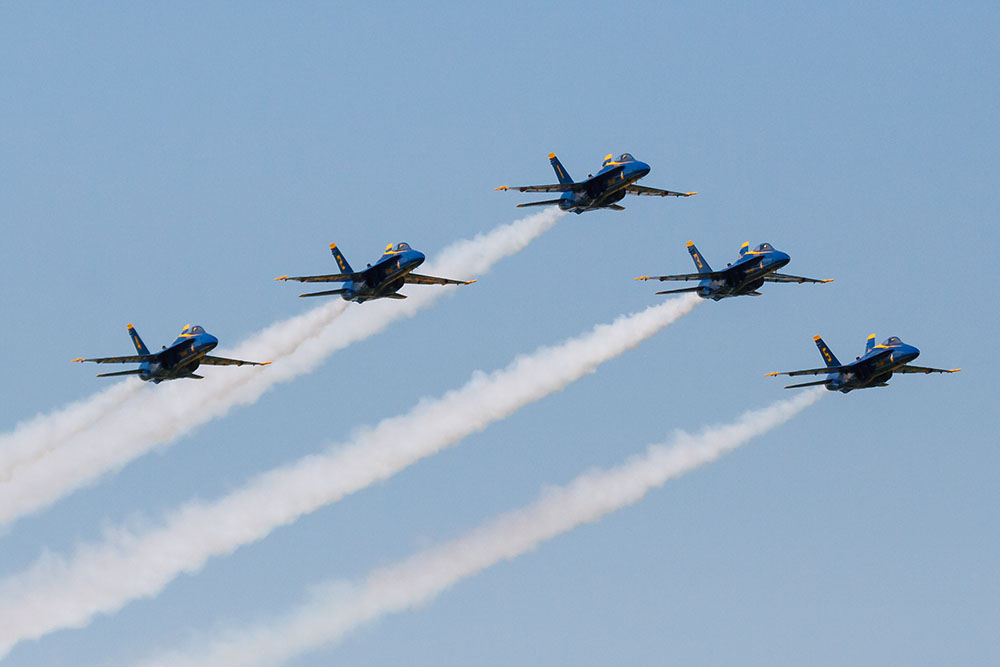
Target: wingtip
[[551, 155], [129, 325], [827, 280], [77, 359], [690, 243], [502, 187], [265, 363], [332, 246], [282, 278], [954, 370], [469, 282], [643, 278], [770, 375], [689, 194], [816, 337]]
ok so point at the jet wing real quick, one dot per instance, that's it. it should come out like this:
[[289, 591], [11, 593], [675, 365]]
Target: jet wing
[[782, 278], [559, 187], [329, 278], [811, 371], [683, 276], [133, 359], [654, 192], [922, 369], [417, 279], [222, 361]]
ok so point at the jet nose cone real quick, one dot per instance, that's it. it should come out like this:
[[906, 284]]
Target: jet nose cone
[[417, 258], [210, 341], [642, 168], [781, 258], [909, 353]]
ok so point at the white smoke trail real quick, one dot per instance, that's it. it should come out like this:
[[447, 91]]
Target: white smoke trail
[[297, 345], [57, 592], [32, 439], [336, 608]]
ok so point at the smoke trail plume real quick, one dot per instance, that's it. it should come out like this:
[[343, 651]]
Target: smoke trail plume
[[61, 464], [337, 608], [57, 592], [30, 440]]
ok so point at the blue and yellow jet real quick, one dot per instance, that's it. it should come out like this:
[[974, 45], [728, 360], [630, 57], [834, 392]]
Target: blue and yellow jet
[[383, 279], [742, 277], [872, 369], [616, 179], [180, 360]]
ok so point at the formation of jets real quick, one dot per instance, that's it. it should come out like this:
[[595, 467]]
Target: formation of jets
[[617, 177]]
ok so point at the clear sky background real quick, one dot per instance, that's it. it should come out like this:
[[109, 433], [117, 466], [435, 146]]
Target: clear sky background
[[161, 166]]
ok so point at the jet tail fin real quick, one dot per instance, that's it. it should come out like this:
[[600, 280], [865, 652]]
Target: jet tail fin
[[561, 173], [824, 349], [870, 344], [699, 261], [341, 260], [140, 347]]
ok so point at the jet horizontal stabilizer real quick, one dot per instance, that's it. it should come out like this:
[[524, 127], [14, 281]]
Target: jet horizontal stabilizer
[[107, 375], [807, 384], [328, 292], [547, 202]]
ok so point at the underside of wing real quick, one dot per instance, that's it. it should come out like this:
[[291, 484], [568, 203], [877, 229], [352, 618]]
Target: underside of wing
[[417, 279], [222, 361], [133, 359], [679, 291], [558, 187], [655, 192], [680, 276], [812, 371], [330, 278], [923, 369], [783, 278], [547, 202]]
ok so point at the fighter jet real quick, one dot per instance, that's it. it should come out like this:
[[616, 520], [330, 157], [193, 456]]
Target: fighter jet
[[383, 279], [616, 179], [872, 369], [742, 277], [180, 360]]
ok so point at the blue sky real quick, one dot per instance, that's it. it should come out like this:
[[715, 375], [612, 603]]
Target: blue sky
[[161, 166]]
